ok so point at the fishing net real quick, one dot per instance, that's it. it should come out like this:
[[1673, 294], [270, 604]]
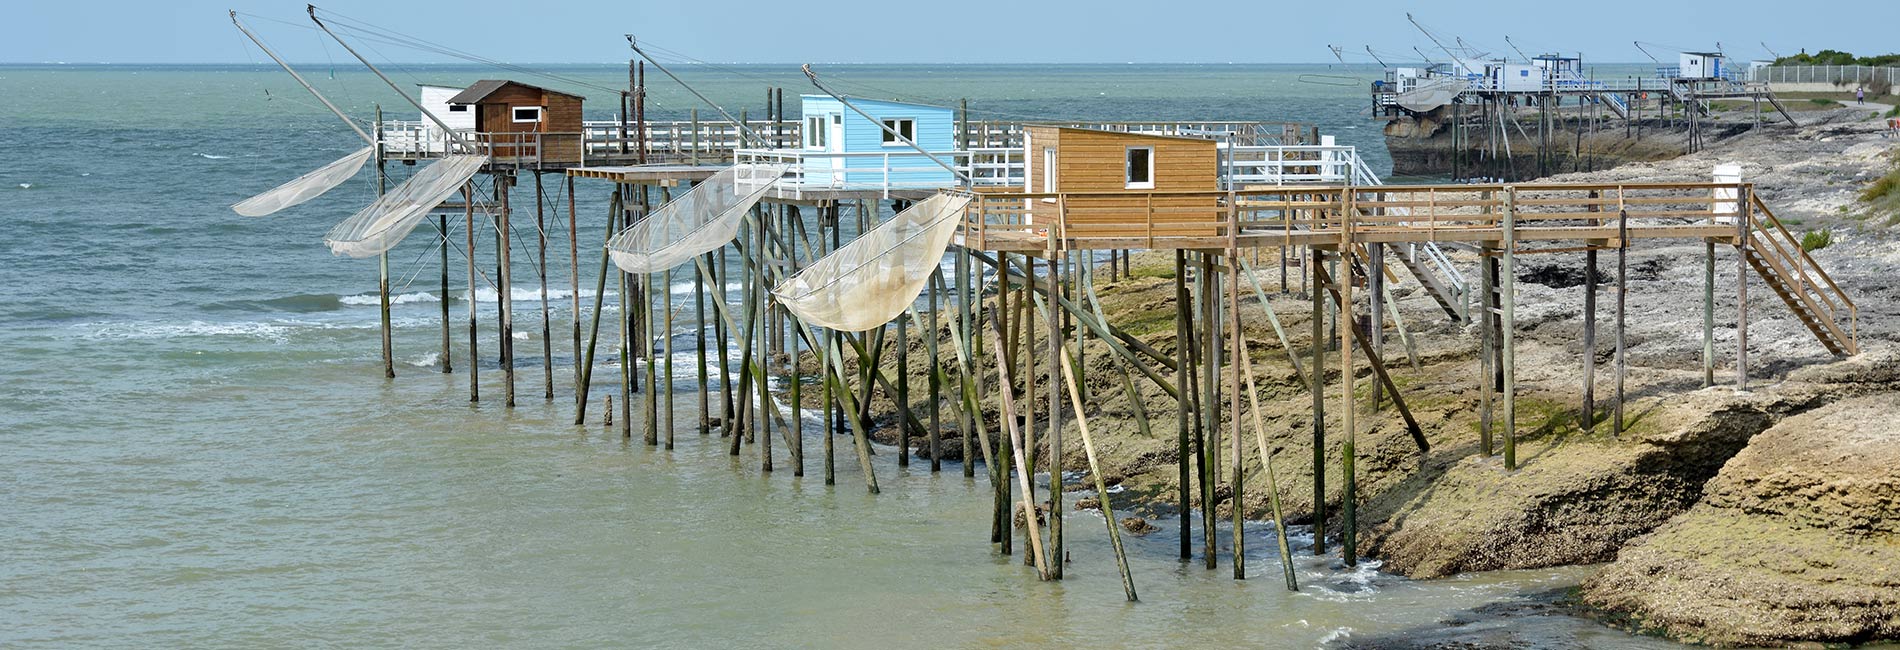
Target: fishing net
[[868, 282], [702, 219], [305, 187], [377, 228]]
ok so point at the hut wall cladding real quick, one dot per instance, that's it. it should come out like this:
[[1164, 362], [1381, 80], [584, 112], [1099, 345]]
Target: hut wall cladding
[[1089, 161], [560, 115]]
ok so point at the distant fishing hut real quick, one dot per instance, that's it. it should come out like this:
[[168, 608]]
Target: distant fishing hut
[[522, 124]]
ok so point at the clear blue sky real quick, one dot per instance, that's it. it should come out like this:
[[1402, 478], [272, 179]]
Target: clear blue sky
[[909, 31]]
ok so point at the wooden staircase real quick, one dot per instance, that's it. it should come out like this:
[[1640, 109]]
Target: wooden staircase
[[1776, 256]]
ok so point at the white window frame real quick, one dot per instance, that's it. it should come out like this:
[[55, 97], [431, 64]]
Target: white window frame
[[1050, 165], [895, 123], [1128, 180], [514, 113], [817, 128]]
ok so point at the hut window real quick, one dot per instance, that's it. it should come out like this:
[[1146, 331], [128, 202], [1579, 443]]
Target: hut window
[[815, 132], [525, 114], [1141, 168], [904, 126], [458, 108]]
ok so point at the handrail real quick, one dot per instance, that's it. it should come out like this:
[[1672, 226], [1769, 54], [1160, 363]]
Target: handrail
[[1790, 254]]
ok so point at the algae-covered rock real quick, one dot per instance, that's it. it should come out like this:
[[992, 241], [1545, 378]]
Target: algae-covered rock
[[1796, 539]]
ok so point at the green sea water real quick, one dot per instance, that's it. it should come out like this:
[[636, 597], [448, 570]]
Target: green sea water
[[198, 448]]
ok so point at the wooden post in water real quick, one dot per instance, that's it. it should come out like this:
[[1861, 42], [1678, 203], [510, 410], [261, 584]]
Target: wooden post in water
[[1318, 389], [474, 358], [719, 279], [541, 264], [1487, 346], [699, 346], [382, 260], [504, 185], [585, 365], [1236, 358], [1057, 553], [1349, 489], [935, 381], [666, 351], [903, 390], [1183, 379], [1375, 287], [448, 361], [1101, 485], [574, 289]]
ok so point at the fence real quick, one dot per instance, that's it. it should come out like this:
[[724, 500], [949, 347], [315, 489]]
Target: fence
[[1839, 75]]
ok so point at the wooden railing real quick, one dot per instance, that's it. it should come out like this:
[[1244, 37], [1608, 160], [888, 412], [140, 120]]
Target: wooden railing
[[1799, 273]]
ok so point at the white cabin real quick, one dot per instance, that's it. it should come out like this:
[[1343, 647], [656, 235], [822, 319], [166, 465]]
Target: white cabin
[[1699, 65]]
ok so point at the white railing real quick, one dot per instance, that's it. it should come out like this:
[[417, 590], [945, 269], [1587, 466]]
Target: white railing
[[1453, 280], [1826, 74], [1241, 166]]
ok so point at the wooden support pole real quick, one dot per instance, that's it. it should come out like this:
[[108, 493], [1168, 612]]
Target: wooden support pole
[[1487, 347], [382, 261], [969, 303], [504, 184], [1348, 490], [825, 399], [1318, 389], [574, 290], [1622, 309], [474, 358], [1236, 358], [1375, 288], [1183, 379], [1057, 554], [1509, 328], [448, 354], [1589, 414], [1101, 485], [720, 277], [1266, 461], [586, 364], [699, 348], [935, 383], [1742, 246], [1033, 530], [1708, 314], [547, 319], [902, 395], [666, 351]]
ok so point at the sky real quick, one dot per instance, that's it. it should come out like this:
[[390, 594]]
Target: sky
[[964, 31]]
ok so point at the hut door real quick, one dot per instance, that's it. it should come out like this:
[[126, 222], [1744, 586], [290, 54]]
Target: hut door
[[835, 145]]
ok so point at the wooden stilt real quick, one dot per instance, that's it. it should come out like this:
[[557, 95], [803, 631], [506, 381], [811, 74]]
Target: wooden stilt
[[1742, 244], [831, 429], [1349, 487], [930, 350], [1622, 309], [1181, 418], [1375, 288], [903, 390], [1318, 389], [541, 264], [1708, 314], [1237, 357], [1033, 530], [382, 262], [1589, 414], [1266, 461], [1509, 329], [666, 352], [1057, 553], [474, 358], [1487, 352], [1101, 486], [586, 364], [699, 350], [504, 287], [574, 290], [448, 354]]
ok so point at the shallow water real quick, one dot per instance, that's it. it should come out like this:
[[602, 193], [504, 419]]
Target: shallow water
[[199, 449]]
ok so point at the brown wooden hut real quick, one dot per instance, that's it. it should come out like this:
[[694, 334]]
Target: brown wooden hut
[[524, 124], [1117, 184]]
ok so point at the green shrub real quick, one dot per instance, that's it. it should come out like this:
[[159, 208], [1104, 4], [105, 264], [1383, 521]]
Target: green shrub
[[1815, 240], [1884, 187], [1823, 101]]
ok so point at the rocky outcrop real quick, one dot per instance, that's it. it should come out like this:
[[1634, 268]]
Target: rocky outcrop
[[1797, 539]]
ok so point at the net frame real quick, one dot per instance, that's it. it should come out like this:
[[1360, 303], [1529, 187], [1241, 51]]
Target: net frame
[[305, 187], [701, 220], [380, 226], [877, 276]]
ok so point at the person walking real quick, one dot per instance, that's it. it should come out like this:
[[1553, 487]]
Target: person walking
[[1860, 94]]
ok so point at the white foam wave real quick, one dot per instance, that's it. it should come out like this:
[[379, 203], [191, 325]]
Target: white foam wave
[[208, 156], [26, 186], [522, 294], [398, 299], [429, 360], [133, 331]]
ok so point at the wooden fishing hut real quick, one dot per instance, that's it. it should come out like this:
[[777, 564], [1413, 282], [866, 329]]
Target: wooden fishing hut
[[1114, 174], [521, 124]]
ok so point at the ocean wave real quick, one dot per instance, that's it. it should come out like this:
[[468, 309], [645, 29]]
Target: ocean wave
[[208, 156], [137, 331], [429, 360], [522, 294], [398, 299], [26, 186]]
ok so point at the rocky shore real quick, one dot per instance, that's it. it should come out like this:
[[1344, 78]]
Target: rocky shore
[[1764, 516]]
